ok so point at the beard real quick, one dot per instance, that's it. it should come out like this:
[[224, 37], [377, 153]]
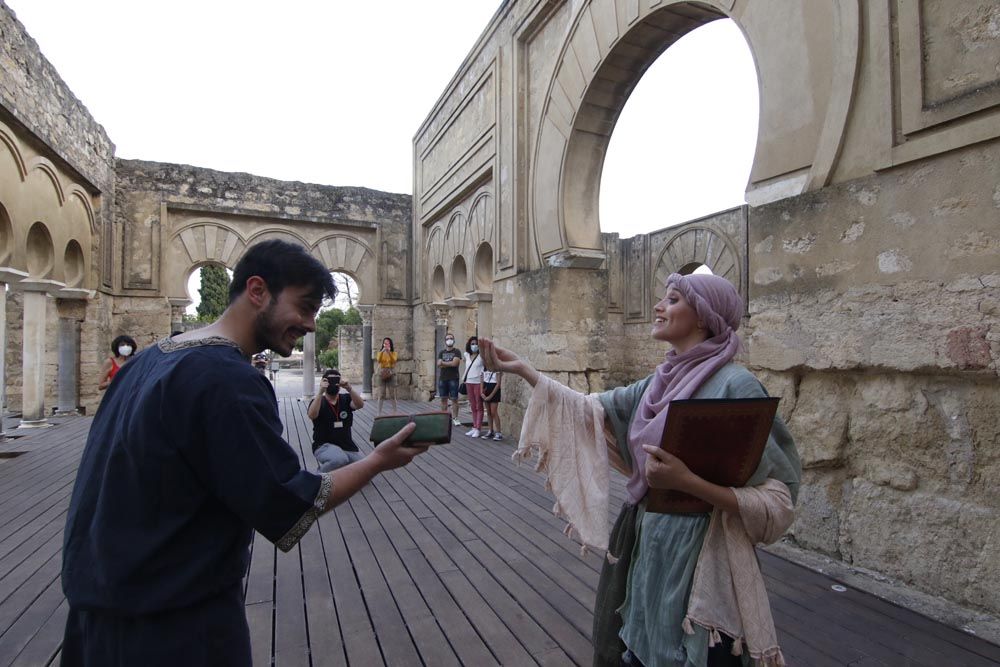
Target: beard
[[269, 335]]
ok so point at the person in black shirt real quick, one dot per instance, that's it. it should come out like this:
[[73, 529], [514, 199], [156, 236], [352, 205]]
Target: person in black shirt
[[332, 415], [183, 462], [449, 360]]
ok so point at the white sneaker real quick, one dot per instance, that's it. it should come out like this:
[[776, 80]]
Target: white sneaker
[[474, 433], [456, 422]]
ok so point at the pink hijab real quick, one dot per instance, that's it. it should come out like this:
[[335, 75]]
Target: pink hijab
[[720, 307]]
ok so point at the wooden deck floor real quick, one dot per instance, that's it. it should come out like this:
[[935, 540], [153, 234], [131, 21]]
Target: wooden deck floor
[[454, 560]]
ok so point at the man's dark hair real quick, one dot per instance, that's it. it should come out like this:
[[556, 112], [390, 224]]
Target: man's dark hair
[[282, 264]]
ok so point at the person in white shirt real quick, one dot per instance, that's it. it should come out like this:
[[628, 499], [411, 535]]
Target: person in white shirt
[[473, 384], [491, 397]]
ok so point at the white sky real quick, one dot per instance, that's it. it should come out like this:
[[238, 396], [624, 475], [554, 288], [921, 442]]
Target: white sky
[[343, 86]]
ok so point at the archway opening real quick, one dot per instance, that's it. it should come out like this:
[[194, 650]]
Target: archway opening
[[459, 278], [208, 289], [73, 263], [6, 237], [437, 284], [483, 268], [683, 145], [342, 310], [41, 254]]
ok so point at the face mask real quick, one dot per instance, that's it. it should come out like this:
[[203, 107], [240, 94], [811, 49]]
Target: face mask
[[124, 350], [449, 342], [474, 348]]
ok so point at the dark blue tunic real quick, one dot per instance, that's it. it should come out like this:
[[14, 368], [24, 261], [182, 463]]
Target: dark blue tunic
[[183, 462]]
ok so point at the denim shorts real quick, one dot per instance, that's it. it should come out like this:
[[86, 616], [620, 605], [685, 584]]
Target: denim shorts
[[448, 388]]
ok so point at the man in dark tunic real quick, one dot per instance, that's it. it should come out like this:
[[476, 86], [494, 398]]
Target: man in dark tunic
[[183, 462]]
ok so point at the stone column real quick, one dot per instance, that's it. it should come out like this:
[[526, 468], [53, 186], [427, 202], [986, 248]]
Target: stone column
[[484, 313], [33, 353], [177, 308], [7, 275], [366, 350], [440, 329], [309, 365], [69, 366]]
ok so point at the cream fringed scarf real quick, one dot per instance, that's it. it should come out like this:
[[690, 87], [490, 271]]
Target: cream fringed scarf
[[727, 592], [565, 429]]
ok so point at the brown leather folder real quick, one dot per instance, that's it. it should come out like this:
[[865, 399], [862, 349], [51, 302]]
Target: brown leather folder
[[720, 440]]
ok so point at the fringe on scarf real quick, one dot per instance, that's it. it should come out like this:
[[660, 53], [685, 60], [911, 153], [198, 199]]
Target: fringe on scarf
[[526, 452], [772, 657]]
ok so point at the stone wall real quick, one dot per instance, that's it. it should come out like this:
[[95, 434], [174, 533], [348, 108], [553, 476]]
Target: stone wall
[[875, 311], [350, 344], [396, 322], [32, 92]]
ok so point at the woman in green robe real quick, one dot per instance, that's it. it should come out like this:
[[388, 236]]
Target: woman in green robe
[[676, 589]]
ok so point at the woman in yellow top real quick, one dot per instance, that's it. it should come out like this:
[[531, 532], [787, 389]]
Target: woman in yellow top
[[386, 359]]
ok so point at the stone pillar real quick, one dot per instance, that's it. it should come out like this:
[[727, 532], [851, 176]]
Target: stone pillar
[[177, 308], [7, 275], [366, 350], [309, 365], [33, 355], [484, 313], [69, 366], [3, 355], [440, 329]]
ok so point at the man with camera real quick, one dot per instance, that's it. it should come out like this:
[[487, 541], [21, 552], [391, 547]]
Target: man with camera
[[331, 412]]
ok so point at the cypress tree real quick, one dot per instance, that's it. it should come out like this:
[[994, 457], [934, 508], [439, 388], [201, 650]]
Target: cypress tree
[[214, 292]]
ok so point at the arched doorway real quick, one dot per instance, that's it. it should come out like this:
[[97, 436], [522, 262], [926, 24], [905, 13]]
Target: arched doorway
[[577, 123], [693, 116]]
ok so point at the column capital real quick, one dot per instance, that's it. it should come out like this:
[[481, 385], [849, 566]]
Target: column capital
[[11, 275], [39, 285], [366, 314], [75, 294], [441, 314]]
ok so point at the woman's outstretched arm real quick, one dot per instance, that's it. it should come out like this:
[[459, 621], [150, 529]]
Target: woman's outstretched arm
[[497, 358]]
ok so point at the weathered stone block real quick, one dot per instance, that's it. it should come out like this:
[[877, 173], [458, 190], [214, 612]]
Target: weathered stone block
[[819, 422], [818, 511], [938, 544]]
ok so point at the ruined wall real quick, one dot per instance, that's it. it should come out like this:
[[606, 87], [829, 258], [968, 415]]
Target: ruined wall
[[876, 304], [350, 344], [396, 322], [40, 107]]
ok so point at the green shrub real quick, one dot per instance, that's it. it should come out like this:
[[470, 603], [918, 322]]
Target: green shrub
[[328, 359]]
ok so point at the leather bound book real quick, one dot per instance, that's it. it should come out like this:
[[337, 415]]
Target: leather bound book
[[719, 439]]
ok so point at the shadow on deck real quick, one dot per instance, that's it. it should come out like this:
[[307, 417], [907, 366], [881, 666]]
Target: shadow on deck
[[456, 559]]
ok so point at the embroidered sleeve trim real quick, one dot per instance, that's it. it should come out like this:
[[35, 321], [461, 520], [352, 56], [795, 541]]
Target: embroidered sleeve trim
[[306, 521]]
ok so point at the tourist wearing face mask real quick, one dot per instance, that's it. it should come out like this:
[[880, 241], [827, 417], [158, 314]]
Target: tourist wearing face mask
[[331, 412], [123, 348], [448, 361], [473, 383]]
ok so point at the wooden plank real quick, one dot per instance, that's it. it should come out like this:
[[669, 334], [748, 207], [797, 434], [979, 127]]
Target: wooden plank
[[34, 615], [428, 637], [326, 645], [260, 600], [457, 554], [44, 645], [386, 618]]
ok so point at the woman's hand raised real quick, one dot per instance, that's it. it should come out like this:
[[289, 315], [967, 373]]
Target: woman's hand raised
[[497, 358]]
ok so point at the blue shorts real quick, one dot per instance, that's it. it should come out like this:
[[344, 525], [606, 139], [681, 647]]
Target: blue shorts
[[448, 388]]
